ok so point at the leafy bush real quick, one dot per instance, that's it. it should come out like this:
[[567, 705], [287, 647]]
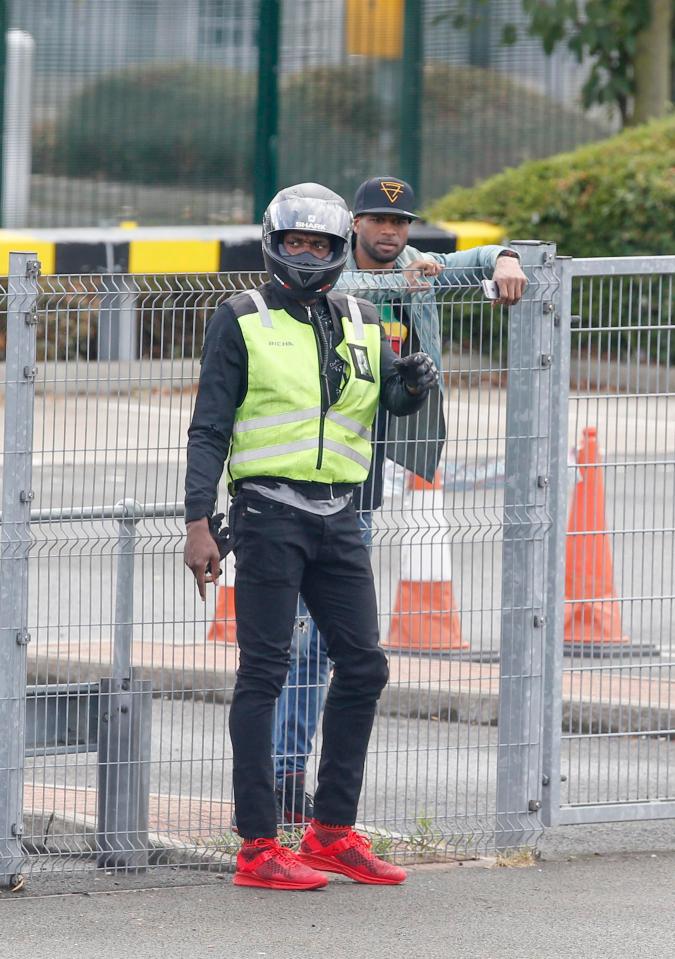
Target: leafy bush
[[332, 127], [474, 121], [477, 121], [177, 123], [194, 125], [613, 198]]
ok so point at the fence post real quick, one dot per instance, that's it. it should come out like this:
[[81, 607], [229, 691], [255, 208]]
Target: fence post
[[412, 92], [117, 320], [523, 622], [124, 730], [3, 85], [555, 554], [267, 109], [17, 495], [17, 129]]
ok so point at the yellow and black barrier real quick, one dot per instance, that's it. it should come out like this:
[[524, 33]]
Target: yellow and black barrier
[[168, 250], [137, 250]]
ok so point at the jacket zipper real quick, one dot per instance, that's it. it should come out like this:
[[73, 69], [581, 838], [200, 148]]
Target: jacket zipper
[[322, 345]]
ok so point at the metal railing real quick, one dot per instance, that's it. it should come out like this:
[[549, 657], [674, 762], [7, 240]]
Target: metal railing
[[486, 708]]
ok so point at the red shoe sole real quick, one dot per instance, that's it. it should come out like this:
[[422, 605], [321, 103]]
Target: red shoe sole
[[244, 880], [330, 865]]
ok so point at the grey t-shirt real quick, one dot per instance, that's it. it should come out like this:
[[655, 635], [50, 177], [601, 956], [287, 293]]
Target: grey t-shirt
[[287, 494]]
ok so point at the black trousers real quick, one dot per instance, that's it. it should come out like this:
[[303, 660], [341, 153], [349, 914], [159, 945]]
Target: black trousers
[[280, 552]]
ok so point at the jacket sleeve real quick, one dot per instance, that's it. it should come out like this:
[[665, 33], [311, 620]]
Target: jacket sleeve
[[222, 387], [394, 397], [483, 258], [375, 287]]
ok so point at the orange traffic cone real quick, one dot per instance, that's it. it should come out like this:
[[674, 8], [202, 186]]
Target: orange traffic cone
[[425, 615], [592, 613], [223, 629]]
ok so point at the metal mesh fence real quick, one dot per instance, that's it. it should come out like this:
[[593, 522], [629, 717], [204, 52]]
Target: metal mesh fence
[[108, 590], [503, 665], [147, 110], [618, 717]]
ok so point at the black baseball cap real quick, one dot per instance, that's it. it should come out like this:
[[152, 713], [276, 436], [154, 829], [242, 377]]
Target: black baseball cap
[[385, 194]]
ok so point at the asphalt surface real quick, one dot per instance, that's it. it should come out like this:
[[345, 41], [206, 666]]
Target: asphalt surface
[[461, 536], [600, 907], [103, 448]]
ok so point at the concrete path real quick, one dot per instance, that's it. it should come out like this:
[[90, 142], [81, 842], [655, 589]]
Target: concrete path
[[597, 908]]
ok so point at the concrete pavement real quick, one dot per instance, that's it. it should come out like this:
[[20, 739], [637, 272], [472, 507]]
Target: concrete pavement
[[603, 907]]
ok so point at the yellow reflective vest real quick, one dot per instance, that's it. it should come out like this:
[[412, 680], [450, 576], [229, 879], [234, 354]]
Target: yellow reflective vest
[[284, 426]]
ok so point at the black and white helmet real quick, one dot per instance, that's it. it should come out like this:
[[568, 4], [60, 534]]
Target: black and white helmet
[[309, 208]]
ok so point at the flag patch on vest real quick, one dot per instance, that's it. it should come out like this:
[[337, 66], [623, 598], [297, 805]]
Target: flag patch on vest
[[361, 363]]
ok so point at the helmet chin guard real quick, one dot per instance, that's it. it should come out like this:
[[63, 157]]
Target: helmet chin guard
[[307, 208]]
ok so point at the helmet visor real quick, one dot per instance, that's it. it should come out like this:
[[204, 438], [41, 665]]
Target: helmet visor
[[311, 216]]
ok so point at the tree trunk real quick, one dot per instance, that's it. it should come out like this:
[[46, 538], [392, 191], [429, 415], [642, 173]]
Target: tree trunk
[[652, 64]]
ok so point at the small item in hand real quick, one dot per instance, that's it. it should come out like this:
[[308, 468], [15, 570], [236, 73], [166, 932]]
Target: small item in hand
[[490, 289], [221, 536]]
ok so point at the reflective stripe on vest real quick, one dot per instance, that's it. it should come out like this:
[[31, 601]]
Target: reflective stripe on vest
[[261, 307], [278, 419], [353, 425], [299, 446], [357, 319]]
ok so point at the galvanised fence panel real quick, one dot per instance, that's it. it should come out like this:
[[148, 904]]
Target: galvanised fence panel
[[128, 676], [617, 755]]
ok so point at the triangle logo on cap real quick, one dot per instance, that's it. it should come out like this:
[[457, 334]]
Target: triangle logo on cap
[[391, 189]]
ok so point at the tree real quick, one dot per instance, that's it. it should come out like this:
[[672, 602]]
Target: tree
[[628, 43], [654, 59]]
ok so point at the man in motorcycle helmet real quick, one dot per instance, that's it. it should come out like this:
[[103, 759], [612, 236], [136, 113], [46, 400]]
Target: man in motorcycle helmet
[[291, 378]]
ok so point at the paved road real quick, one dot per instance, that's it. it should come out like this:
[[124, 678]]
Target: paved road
[[598, 908], [101, 448], [460, 536]]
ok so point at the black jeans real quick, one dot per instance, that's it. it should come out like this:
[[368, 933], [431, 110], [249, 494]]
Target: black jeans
[[280, 552]]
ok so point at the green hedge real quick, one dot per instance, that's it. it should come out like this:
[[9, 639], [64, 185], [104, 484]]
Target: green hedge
[[477, 121], [614, 198], [194, 124], [181, 123]]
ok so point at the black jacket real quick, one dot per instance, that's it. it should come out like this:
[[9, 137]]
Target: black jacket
[[223, 383]]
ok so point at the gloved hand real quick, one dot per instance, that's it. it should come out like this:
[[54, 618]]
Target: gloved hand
[[418, 372]]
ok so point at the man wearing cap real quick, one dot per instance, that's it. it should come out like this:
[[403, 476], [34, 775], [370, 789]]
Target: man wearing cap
[[383, 211], [407, 303]]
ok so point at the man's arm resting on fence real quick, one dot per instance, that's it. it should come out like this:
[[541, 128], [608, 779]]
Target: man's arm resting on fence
[[413, 266], [375, 287], [498, 263]]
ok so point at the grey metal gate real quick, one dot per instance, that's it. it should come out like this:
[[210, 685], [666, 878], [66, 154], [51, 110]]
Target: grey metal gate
[[610, 676]]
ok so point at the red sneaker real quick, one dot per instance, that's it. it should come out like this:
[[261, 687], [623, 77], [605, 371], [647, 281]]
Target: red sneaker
[[269, 865], [350, 855]]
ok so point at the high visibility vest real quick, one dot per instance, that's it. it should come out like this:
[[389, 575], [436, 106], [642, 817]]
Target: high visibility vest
[[283, 428]]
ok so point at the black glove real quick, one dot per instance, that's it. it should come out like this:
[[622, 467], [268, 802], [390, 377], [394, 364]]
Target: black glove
[[418, 372], [221, 536]]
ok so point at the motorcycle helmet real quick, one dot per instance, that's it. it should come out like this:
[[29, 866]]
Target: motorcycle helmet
[[307, 208]]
